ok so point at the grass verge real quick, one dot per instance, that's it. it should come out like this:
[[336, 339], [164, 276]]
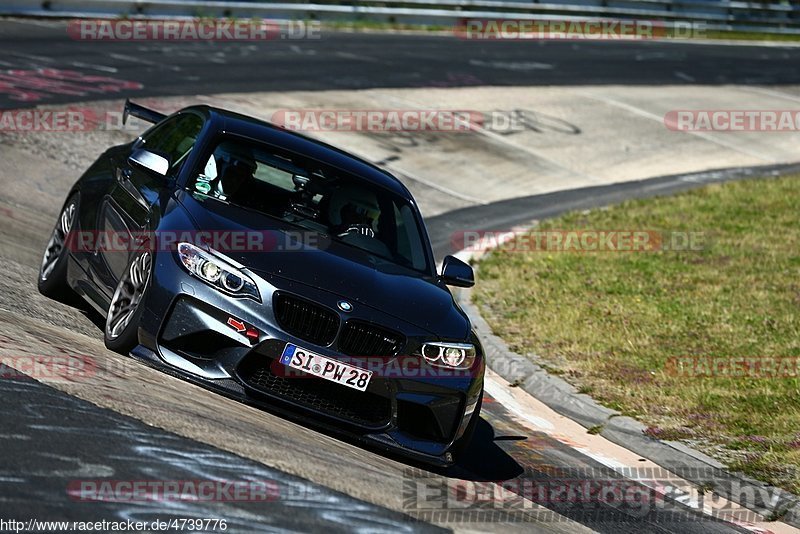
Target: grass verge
[[668, 337]]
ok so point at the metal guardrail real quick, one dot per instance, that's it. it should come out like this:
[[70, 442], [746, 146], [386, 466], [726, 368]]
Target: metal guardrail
[[772, 17]]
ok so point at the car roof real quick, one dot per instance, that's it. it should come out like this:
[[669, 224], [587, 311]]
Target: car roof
[[231, 122]]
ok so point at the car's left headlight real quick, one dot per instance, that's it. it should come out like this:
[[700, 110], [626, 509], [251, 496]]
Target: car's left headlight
[[450, 355], [217, 272]]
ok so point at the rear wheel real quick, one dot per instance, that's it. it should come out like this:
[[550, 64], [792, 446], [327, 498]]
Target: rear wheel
[[53, 271], [127, 305]]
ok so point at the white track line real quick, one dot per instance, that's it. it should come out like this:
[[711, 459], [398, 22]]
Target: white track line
[[434, 185], [652, 116], [771, 92], [41, 59], [92, 66], [141, 61]]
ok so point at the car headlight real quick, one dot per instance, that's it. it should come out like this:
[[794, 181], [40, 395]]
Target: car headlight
[[216, 272], [451, 355]]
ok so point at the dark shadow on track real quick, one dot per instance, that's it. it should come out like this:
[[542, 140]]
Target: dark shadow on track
[[483, 460]]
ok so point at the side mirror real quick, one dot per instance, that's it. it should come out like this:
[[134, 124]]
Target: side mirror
[[149, 161], [457, 273]]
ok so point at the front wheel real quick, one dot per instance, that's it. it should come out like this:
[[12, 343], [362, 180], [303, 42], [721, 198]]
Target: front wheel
[[127, 305], [52, 281]]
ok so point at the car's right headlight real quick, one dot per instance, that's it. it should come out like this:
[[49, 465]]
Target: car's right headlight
[[450, 355], [217, 272]]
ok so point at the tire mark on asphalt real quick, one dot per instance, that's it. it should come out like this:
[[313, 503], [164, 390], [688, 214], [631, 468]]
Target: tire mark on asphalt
[[95, 443]]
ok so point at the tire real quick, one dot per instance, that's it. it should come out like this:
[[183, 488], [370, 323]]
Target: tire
[[52, 280], [461, 445], [121, 332]]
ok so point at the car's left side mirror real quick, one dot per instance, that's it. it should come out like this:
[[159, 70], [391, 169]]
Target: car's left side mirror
[[149, 161], [457, 273]]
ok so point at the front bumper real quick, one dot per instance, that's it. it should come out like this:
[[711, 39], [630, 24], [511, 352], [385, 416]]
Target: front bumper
[[415, 411]]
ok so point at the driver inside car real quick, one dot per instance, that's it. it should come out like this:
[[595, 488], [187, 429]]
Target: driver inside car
[[354, 211], [357, 219], [235, 169]]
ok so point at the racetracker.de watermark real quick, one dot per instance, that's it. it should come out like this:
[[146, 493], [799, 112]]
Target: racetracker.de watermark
[[104, 490], [553, 29], [201, 29], [601, 240], [378, 120], [73, 119], [68, 120], [225, 241], [733, 120], [41, 120], [402, 120], [61, 368], [385, 367], [762, 367]]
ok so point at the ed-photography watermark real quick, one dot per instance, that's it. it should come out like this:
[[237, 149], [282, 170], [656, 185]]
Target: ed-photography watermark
[[583, 240], [200, 29], [571, 29], [565, 494], [733, 120]]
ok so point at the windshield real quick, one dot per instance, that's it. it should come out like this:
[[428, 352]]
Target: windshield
[[318, 198]]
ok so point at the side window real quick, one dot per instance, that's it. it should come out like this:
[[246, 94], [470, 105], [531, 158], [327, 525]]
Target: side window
[[174, 139]]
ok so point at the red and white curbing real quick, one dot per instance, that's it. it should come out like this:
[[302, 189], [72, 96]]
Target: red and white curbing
[[534, 414]]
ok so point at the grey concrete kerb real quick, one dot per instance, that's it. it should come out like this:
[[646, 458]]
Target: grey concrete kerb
[[564, 399]]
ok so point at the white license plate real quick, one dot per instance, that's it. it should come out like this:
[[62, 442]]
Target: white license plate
[[327, 368]]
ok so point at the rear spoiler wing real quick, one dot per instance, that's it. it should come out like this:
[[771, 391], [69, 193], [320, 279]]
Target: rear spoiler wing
[[141, 112]]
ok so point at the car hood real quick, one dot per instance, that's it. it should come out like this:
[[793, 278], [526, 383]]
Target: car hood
[[343, 270]]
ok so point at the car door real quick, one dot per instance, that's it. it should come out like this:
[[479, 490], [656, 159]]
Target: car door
[[126, 211]]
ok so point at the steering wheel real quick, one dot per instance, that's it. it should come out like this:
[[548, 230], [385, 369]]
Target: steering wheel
[[358, 229]]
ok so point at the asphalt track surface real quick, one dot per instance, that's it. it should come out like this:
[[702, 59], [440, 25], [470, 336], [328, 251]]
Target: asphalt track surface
[[49, 438], [362, 61]]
